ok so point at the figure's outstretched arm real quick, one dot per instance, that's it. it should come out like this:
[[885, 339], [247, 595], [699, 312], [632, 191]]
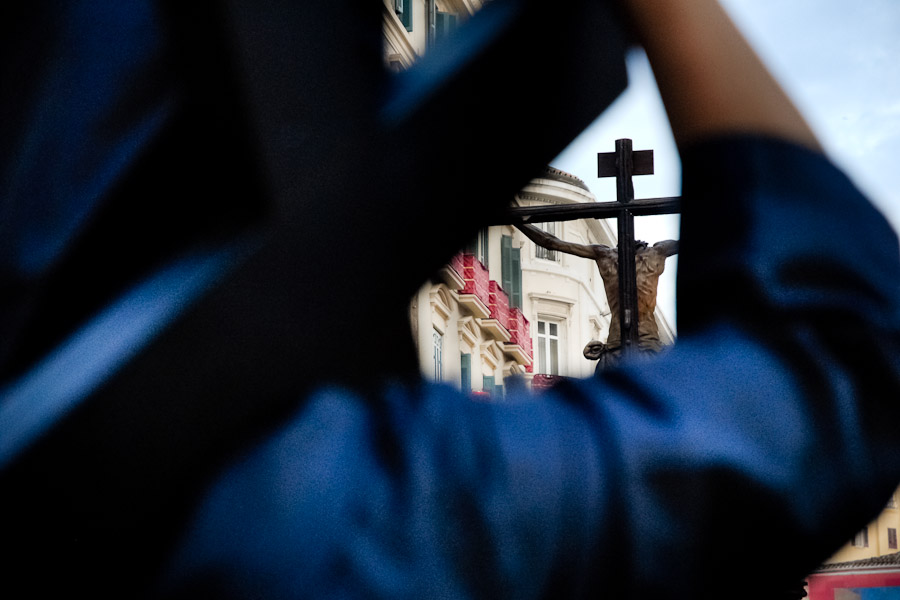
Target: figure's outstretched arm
[[551, 242], [666, 247]]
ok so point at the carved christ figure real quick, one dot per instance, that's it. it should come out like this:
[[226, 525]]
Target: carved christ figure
[[650, 261]]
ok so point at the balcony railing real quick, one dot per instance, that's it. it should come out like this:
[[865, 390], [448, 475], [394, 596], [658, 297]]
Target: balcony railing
[[456, 263], [474, 294], [519, 330], [519, 335], [498, 302], [476, 276], [498, 322]]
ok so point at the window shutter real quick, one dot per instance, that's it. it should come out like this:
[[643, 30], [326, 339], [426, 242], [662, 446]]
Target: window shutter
[[511, 271], [488, 384], [506, 269], [465, 372], [515, 295], [404, 10]]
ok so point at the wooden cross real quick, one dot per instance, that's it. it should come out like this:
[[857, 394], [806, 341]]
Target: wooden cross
[[622, 164]]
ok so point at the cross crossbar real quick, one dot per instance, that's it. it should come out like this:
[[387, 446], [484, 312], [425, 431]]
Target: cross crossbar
[[598, 210], [641, 163]]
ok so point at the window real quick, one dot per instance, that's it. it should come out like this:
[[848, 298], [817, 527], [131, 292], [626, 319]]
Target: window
[[404, 10], [548, 347], [861, 539], [465, 372], [479, 247], [438, 351], [490, 386], [444, 23], [892, 502], [511, 271], [892, 538], [540, 251]]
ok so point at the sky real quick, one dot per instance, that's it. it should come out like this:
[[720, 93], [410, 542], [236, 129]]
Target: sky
[[839, 62]]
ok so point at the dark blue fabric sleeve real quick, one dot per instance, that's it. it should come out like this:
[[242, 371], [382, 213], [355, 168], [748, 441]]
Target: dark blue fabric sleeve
[[121, 150], [85, 99], [767, 431]]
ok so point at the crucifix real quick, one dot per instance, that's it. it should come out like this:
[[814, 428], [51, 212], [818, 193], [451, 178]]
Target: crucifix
[[622, 164]]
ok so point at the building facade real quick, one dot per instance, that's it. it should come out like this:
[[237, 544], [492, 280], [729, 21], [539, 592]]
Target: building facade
[[876, 578], [878, 538]]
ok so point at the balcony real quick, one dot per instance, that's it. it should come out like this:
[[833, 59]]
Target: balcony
[[489, 303], [519, 345], [475, 292], [498, 304], [451, 274]]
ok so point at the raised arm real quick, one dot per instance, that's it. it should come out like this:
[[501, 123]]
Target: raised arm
[[666, 247], [711, 80], [551, 242]]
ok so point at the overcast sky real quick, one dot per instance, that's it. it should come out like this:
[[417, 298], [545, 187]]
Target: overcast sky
[[838, 60]]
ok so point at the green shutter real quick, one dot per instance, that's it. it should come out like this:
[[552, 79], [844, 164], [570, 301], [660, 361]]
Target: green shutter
[[512, 271], [404, 10], [515, 294], [506, 269], [488, 384], [465, 372]]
